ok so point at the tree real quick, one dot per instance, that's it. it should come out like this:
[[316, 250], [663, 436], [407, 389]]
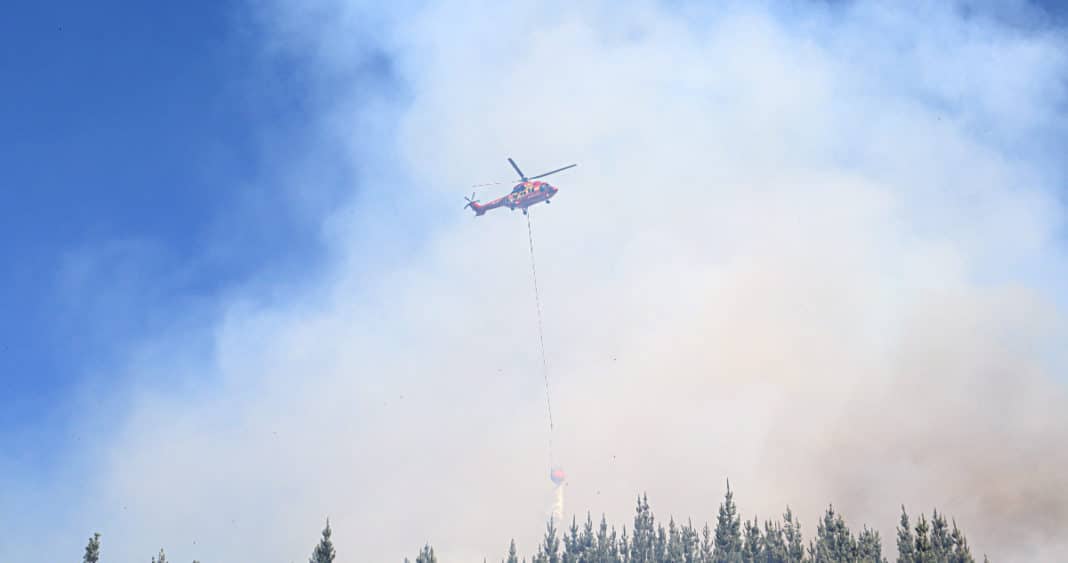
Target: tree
[[834, 542], [795, 548], [924, 549], [675, 550], [961, 552], [587, 541], [92, 550], [549, 551], [941, 544], [324, 552], [728, 546], [571, 543], [162, 557], [870, 546], [691, 544], [774, 543], [707, 545], [513, 557], [753, 548], [906, 550], [643, 540], [426, 555]]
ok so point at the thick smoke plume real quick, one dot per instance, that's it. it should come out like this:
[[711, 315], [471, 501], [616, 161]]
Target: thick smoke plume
[[814, 249]]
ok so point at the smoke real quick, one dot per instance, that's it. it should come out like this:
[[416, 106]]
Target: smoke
[[816, 250]]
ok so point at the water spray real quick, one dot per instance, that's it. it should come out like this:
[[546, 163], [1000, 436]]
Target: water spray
[[558, 477]]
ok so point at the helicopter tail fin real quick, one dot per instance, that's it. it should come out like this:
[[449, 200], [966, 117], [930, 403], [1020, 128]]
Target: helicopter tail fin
[[473, 204]]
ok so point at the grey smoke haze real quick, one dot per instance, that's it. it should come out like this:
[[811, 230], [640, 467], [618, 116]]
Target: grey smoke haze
[[816, 250]]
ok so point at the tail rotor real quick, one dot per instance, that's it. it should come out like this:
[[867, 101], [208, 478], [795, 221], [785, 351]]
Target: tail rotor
[[471, 201]]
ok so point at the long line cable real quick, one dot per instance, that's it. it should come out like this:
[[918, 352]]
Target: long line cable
[[541, 336]]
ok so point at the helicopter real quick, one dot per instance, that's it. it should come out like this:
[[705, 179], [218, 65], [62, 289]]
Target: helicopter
[[526, 193]]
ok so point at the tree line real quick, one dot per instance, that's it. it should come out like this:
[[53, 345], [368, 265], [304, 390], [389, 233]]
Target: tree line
[[733, 540]]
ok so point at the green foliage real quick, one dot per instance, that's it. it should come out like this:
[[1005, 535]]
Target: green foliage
[[834, 542], [870, 546], [549, 550], [931, 543], [753, 548], [324, 552], [795, 550], [707, 545], [774, 547], [643, 542], [92, 550], [937, 540], [426, 555], [924, 551], [728, 546], [906, 551], [961, 553]]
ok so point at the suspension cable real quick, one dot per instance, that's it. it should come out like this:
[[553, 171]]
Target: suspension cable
[[541, 336]]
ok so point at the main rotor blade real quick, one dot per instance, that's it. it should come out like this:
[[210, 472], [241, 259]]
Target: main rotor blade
[[553, 172], [517, 170], [492, 184]]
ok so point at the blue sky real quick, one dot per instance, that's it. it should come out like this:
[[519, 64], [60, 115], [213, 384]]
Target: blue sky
[[163, 162], [136, 176]]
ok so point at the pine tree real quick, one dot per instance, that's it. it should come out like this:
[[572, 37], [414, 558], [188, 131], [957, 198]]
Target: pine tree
[[604, 550], [941, 544], [834, 542], [549, 551], [753, 548], [162, 557], [870, 546], [691, 544], [324, 552], [587, 541], [513, 556], [924, 549], [961, 552], [92, 551], [643, 540], [616, 549], [795, 547], [728, 547], [660, 545], [425, 556], [707, 545], [674, 550], [571, 543], [774, 543], [906, 550]]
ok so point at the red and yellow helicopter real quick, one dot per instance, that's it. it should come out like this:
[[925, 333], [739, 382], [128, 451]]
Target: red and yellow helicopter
[[526, 193]]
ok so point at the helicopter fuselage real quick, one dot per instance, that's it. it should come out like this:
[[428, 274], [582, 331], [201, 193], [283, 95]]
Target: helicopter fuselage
[[523, 195]]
